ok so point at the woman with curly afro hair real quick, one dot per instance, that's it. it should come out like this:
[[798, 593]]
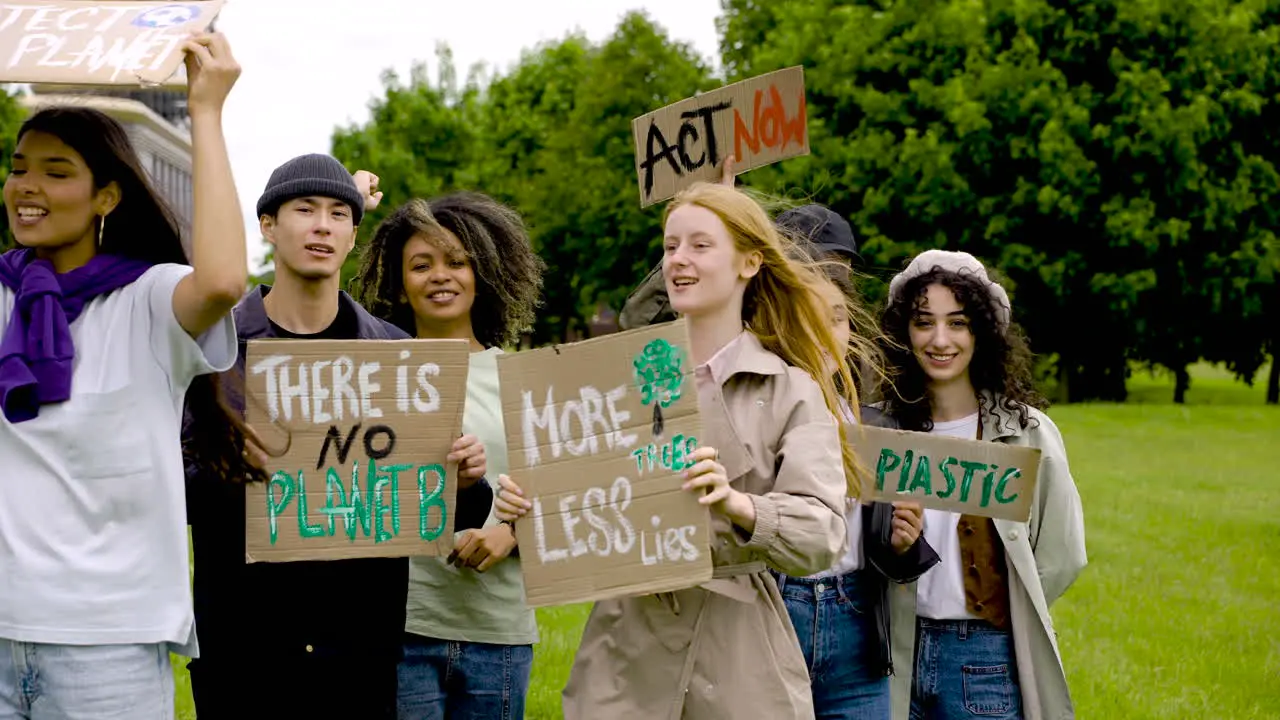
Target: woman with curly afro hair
[[461, 267], [982, 642]]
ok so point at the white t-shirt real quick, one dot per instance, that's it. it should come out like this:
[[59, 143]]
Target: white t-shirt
[[93, 536], [851, 559], [940, 591]]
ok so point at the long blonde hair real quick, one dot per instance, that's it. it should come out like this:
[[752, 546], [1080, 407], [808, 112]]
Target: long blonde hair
[[787, 304]]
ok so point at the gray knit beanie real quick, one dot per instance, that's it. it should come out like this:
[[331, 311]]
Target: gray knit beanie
[[960, 263], [307, 175]]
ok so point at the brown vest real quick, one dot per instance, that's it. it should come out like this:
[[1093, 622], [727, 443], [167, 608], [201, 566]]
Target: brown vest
[[986, 576], [986, 582]]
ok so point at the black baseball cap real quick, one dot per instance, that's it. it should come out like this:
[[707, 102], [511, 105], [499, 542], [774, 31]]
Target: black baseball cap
[[827, 233]]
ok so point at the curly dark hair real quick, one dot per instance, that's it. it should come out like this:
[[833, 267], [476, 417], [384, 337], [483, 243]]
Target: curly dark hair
[[1001, 364], [508, 272]]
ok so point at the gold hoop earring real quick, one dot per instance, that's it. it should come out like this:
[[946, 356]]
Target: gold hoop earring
[[102, 228]]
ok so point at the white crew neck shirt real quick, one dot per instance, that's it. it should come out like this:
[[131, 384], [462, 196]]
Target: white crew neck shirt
[[93, 536], [851, 560], [940, 591]]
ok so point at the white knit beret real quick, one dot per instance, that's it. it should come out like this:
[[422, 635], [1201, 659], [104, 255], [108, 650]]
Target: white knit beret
[[960, 263]]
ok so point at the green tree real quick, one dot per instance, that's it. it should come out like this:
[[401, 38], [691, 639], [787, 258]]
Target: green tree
[[1106, 156], [583, 203], [11, 116], [420, 140], [523, 129], [552, 137]]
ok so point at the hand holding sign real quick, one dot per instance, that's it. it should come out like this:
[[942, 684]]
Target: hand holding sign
[[509, 505], [709, 476], [254, 453], [468, 453], [211, 72], [482, 549], [908, 523], [727, 176]]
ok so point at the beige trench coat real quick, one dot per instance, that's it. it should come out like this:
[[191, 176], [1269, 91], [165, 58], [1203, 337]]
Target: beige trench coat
[[726, 649], [1044, 556]]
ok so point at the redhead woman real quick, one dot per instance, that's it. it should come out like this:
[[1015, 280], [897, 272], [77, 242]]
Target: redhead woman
[[775, 473]]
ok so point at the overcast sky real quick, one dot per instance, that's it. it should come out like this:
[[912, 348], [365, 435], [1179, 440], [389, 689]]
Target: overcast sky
[[310, 66]]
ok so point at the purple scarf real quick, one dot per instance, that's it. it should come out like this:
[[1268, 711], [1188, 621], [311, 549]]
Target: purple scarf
[[36, 351]]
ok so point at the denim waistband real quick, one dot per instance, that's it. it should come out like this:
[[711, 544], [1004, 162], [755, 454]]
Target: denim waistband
[[851, 583], [962, 628]]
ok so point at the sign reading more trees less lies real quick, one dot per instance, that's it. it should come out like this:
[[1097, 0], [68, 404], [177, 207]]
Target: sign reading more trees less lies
[[598, 433], [366, 426], [759, 121]]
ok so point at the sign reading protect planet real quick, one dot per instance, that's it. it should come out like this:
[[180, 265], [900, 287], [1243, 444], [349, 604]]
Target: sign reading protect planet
[[99, 43]]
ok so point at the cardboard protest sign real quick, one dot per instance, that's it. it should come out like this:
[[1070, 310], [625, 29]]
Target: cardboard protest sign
[[98, 43], [598, 433], [944, 473], [758, 121], [365, 427]]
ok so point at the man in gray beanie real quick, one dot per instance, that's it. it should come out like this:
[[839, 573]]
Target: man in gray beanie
[[328, 634]]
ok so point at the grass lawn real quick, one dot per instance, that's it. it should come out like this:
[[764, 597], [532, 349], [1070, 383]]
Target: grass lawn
[[1177, 616]]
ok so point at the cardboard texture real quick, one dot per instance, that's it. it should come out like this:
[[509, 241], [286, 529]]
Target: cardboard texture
[[758, 121], [943, 473], [362, 429], [99, 43], [597, 435]]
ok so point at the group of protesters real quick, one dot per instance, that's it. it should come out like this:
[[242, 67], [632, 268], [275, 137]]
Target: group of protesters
[[122, 388]]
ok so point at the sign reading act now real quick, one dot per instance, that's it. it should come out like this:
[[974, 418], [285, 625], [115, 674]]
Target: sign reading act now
[[759, 121], [988, 479]]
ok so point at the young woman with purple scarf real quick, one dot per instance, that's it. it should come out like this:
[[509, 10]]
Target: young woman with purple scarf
[[103, 325]]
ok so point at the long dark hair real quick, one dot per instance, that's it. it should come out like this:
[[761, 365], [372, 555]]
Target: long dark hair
[[508, 272], [1001, 364], [143, 226]]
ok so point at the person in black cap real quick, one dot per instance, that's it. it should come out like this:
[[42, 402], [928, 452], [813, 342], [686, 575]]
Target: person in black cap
[[818, 230], [325, 636], [826, 235]]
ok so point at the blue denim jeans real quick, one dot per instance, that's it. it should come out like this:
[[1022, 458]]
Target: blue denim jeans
[[964, 669], [463, 681], [85, 682], [834, 620]]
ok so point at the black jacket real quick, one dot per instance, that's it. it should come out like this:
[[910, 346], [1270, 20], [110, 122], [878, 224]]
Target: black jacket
[[877, 548], [254, 615]]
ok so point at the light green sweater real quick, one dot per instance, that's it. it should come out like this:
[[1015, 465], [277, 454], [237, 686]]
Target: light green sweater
[[448, 603]]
